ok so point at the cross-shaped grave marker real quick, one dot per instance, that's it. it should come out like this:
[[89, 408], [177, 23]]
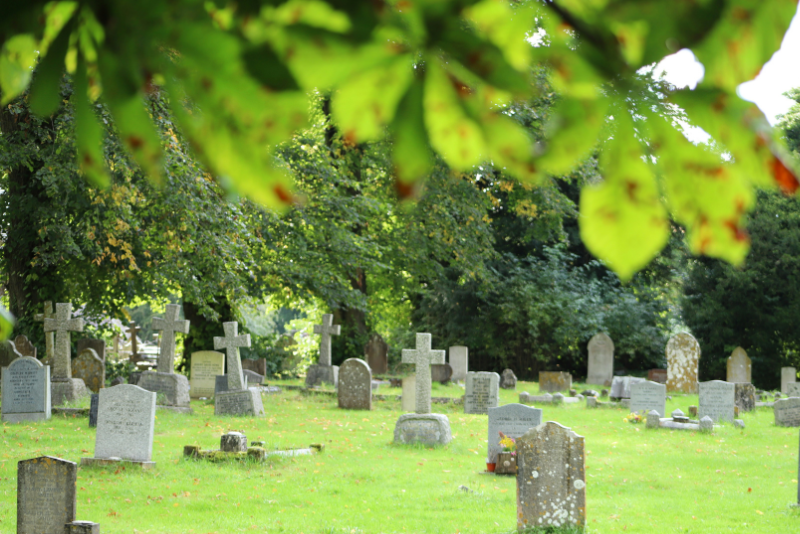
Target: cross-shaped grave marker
[[49, 337], [326, 330], [133, 331], [231, 342], [169, 325], [422, 357], [62, 324]]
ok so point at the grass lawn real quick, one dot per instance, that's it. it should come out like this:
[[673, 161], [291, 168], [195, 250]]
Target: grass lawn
[[638, 480]]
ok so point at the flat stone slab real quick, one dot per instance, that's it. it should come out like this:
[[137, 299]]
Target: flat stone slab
[[116, 461], [425, 428]]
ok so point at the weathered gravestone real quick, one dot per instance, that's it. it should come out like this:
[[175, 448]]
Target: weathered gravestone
[[621, 386], [513, 420], [258, 365], [788, 376], [355, 385], [63, 387], [164, 381], [482, 392], [745, 397], [441, 373], [46, 497], [648, 396], [91, 369], [409, 398], [787, 412], [508, 380], [793, 389], [82, 527], [740, 368], [8, 353], [551, 479], [25, 391], [125, 424], [94, 407], [601, 360], [376, 352], [683, 356], [459, 362], [717, 399], [205, 367], [323, 371], [97, 345], [239, 399], [24, 346], [253, 378], [554, 381]]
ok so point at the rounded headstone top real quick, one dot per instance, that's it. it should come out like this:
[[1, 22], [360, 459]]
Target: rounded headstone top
[[601, 341], [683, 342]]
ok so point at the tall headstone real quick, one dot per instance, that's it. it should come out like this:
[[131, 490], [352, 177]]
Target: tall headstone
[[740, 368], [601, 360], [513, 420], [376, 351], [551, 478], [25, 391], [98, 345], [8, 353], [91, 369], [63, 386], [554, 382], [482, 392], [459, 362], [46, 496], [173, 387], [788, 376], [323, 371], [621, 386], [239, 399], [717, 399], [49, 337], [508, 380], [787, 412], [205, 367], [355, 385], [24, 346], [125, 425], [647, 396], [683, 357], [409, 398], [745, 397]]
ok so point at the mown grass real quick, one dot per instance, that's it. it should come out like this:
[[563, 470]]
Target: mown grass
[[638, 480]]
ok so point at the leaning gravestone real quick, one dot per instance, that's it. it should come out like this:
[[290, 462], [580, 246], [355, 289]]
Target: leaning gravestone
[[508, 380], [46, 497], [459, 362], [717, 400], [745, 397], [551, 479], [788, 376], [621, 386], [648, 396], [683, 356], [125, 424], [355, 385], [91, 369], [8, 353], [63, 387], [25, 391], [239, 399], [740, 368], [554, 381], [323, 371], [601, 360], [165, 381], [24, 346], [513, 420], [205, 367], [441, 373], [97, 345], [408, 400], [482, 392], [376, 352], [787, 412]]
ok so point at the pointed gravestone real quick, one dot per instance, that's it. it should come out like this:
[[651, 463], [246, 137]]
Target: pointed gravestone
[[238, 400], [683, 357], [97, 345], [740, 368], [91, 369], [323, 371], [8, 353], [205, 367], [172, 388], [459, 362], [423, 426], [482, 392], [601, 360], [46, 496], [355, 385], [513, 420], [24, 346], [717, 399], [647, 396], [788, 376], [376, 353], [551, 478], [26, 391], [64, 387], [49, 337]]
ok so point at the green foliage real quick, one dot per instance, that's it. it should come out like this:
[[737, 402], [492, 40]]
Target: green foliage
[[115, 368], [790, 122]]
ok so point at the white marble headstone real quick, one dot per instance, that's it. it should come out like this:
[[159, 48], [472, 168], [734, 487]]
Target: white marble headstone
[[717, 400], [513, 420], [649, 396], [125, 423]]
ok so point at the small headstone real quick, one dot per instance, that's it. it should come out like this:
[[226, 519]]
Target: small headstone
[[133, 377], [745, 397], [82, 527], [25, 391], [717, 399], [558, 398], [441, 373], [706, 424], [257, 366], [551, 479], [788, 376], [738, 423], [317, 375], [647, 396], [554, 381], [233, 442], [206, 366], [24, 346], [91, 369], [253, 378], [125, 425], [97, 345], [482, 392], [693, 411], [46, 496], [459, 361], [408, 400], [508, 380], [239, 402], [94, 405], [683, 357], [657, 375], [513, 420], [376, 353], [604, 393], [117, 381], [740, 368], [428, 429], [573, 392], [621, 386], [601, 360], [8, 353], [787, 412], [590, 393], [355, 385]]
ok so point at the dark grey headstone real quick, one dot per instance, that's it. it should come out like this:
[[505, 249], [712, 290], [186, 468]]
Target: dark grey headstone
[[621, 386], [376, 353], [133, 378], [82, 527], [441, 372], [508, 380], [93, 407], [257, 366], [8, 353], [220, 384], [117, 381], [45, 495], [355, 385], [97, 345], [90, 368], [745, 396]]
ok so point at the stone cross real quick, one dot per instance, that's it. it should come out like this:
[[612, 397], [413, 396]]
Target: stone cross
[[326, 330], [422, 357], [168, 326], [231, 342], [49, 337], [133, 331], [62, 324]]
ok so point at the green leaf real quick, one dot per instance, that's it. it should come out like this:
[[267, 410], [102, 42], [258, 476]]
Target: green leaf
[[17, 58], [88, 132], [46, 90], [411, 154], [506, 28], [263, 64], [510, 147], [6, 323], [622, 220], [572, 132]]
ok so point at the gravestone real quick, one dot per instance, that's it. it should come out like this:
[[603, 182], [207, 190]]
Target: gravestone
[[253, 378], [408, 400], [63, 387], [257, 366], [98, 345], [554, 381], [441, 373], [82, 527], [46, 496], [513, 420], [788, 376], [459, 362], [355, 385], [205, 367], [717, 399], [601, 360], [621, 386], [648, 396], [793, 389], [376, 352], [422, 358], [239, 399], [94, 406], [745, 397], [323, 371], [787, 412], [508, 380], [8, 353], [133, 335], [125, 424], [683, 357], [169, 325], [657, 375], [49, 337], [482, 392], [740, 368], [425, 428], [25, 391], [24, 346], [164, 380], [551, 478], [91, 369]]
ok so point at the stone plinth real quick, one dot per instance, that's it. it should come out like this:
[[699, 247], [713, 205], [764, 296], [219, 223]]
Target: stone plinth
[[67, 390], [428, 429]]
